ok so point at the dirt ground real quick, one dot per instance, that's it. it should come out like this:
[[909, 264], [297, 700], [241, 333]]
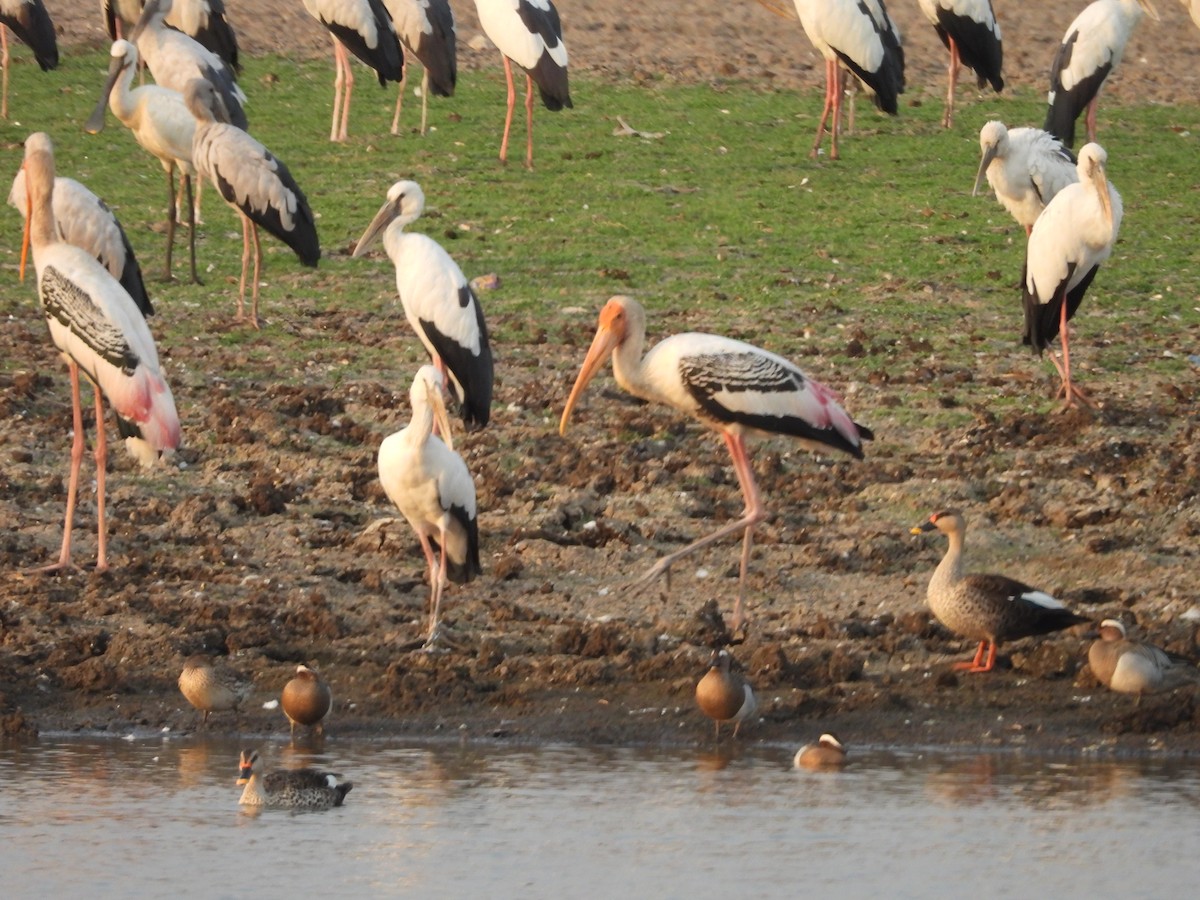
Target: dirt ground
[[261, 543]]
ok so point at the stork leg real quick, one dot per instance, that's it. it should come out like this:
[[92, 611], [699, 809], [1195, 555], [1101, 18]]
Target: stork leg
[[435, 601], [4, 66], [508, 116], [249, 234], [851, 90], [192, 219], [954, 68], [64, 555], [830, 86], [424, 102], [170, 220], [1090, 120], [254, 319], [1069, 392], [436, 574], [400, 97], [528, 121], [101, 454], [978, 664], [343, 85]]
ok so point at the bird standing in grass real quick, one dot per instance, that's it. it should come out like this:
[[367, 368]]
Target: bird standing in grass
[[969, 30], [1026, 168], [29, 21], [426, 31]]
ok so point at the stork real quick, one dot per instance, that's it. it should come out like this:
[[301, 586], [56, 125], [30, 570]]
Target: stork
[[529, 33], [1090, 50], [364, 28], [432, 488], [969, 30], [83, 219], [254, 183], [861, 35], [734, 388], [1026, 167], [203, 20], [1069, 241], [120, 16], [426, 31], [98, 328], [30, 22], [438, 301], [174, 59], [162, 124]]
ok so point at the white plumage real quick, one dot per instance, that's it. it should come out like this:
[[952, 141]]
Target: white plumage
[[1069, 241], [255, 183], [30, 22], [969, 30], [163, 126], [1091, 48], [426, 30], [1135, 667], [434, 491], [364, 28], [175, 58], [203, 20], [438, 301], [732, 387], [83, 219], [98, 328], [862, 36], [529, 33], [1026, 167]]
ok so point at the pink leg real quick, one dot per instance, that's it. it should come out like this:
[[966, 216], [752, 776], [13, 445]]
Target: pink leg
[[254, 319], [241, 311], [838, 85], [528, 121], [508, 116], [1091, 118], [436, 600], [339, 85], [348, 90], [400, 97], [101, 454], [830, 87], [955, 65], [64, 555], [1070, 392]]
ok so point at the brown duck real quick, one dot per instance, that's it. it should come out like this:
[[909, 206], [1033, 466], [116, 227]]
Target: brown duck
[[289, 788], [987, 608], [826, 753], [724, 695], [1135, 667], [211, 687], [306, 699]]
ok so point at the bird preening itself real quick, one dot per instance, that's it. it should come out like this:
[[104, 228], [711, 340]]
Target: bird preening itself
[[29, 21], [434, 491], [438, 301], [99, 329], [969, 30], [724, 695], [306, 700], [1070, 239], [988, 608], [211, 686], [827, 752], [732, 387], [1026, 168], [299, 789], [1135, 667]]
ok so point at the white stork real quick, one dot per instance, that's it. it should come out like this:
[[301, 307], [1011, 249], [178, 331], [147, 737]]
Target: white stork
[[162, 125], [529, 33], [364, 28], [30, 22], [254, 183], [969, 30], [438, 301], [426, 30], [1070, 239], [861, 35], [83, 219], [98, 328], [432, 488], [1026, 167], [732, 387], [1090, 50], [174, 59]]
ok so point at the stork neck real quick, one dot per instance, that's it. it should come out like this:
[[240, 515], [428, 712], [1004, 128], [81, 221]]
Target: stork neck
[[628, 366], [39, 182]]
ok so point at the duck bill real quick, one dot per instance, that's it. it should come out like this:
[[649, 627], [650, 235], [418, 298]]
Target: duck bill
[[386, 215], [95, 122], [602, 347], [244, 775], [988, 155], [922, 528]]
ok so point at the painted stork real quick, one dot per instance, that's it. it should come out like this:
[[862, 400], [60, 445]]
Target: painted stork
[[861, 35], [426, 30], [1026, 167], [529, 33], [430, 485], [732, 387], [1070, 239], [162, 124], [203, 20], [438, 301], [174, 59], [254, 183], [364, 28], [98, 328], [1090, 50], [969, 30], [30, 22]]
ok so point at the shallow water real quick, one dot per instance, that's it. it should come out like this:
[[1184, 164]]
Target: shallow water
[[159, 816]]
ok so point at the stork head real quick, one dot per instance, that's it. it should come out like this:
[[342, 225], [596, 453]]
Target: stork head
[[200, 97], [429, 392], [123, 58], [1092, 167], [405, 203], [620, 317], [993, 143]]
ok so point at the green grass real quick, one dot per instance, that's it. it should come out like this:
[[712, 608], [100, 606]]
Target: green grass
[[724, 224]]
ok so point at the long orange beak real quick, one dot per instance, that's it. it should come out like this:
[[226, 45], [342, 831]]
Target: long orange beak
[[28, 216], [603, 344]]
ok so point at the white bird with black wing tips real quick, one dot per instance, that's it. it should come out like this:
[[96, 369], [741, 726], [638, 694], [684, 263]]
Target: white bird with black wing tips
[[29, 21], [732, 387], [529, 33], [426, 31], [1091, 48], [971, 33], [434, 491], [98, 328], [364, 28], [438, 301], [1026, 168], [203, 20], [1069, 241], [255, 183]]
